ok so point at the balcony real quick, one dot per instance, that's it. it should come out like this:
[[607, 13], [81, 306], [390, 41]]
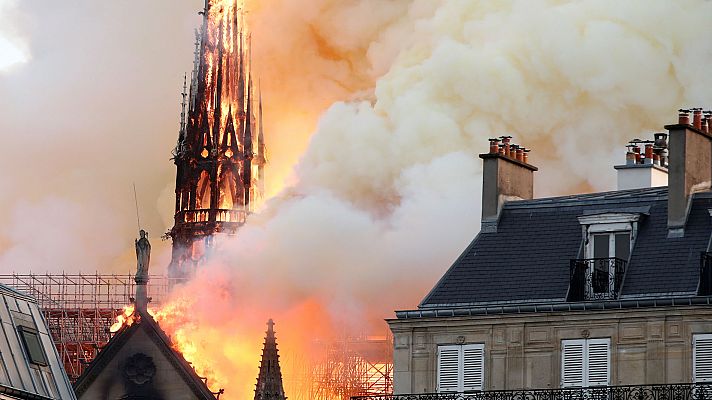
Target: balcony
[[211, 215], [681, 391], [596, 278]]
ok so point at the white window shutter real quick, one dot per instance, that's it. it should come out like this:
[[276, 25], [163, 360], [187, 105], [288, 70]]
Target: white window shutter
[[473, 356], [599, 355], [449, 365], [702, 358], [572, 362]]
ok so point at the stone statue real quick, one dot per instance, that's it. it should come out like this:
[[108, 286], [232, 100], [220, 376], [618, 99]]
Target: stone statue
[[143, 256]]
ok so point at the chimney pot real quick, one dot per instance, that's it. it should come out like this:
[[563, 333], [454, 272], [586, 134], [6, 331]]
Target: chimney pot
[[513, 151], [494, 146], [525, 156], [683, 117], [629, 158], [697, 118], [506, 140]]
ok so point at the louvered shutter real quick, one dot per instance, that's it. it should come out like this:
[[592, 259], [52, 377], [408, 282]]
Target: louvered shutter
[[449, 365], [598, 362], [473, 361], [702, 358], [572, 362]]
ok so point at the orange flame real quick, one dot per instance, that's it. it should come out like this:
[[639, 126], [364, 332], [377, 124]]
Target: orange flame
[[126, 318]]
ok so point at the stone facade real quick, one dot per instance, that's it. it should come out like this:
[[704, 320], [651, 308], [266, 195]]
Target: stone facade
[[648, 346]]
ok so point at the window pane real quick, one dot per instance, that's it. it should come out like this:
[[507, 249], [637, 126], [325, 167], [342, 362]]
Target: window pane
[[623, 246], [600, 246], [33, 346]]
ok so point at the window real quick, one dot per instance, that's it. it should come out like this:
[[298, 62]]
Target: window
[[702, 358], [585, 362], [604, 248], [33, 346], [461, 368], [608, 240]]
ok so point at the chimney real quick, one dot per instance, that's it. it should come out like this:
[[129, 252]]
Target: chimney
[[507, 175], [690, 167], [645, 170]]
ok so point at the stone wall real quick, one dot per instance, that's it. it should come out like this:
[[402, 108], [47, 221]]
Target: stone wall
[[648, 346]]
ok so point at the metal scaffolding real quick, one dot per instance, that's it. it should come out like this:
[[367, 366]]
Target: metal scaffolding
[[80, 309], [344, 367]]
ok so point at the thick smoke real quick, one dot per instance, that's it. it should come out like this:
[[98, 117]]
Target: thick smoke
[[387, 192], [13, 48]]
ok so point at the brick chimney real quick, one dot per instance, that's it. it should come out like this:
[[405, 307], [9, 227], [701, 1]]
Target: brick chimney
[[646, 168], [690, 166], [507, 175]]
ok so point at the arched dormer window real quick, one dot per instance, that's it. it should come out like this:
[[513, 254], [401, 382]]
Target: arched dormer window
[[607, 245]]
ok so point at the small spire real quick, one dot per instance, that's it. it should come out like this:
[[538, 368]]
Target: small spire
[[269, 381], [194, 73], [261, 134], [184, 95], [247, 143]]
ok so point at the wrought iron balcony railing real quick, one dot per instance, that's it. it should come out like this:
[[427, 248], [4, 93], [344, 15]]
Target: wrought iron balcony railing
[[681, 391], [596, 278], [705, 288]]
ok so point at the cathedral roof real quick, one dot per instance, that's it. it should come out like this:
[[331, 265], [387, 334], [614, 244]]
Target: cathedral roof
[[131, 339]]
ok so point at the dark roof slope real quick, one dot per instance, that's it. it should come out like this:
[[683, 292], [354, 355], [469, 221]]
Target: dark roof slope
[[527, 259]]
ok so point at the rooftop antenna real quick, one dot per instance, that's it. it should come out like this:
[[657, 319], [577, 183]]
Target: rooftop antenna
[[138, 219]]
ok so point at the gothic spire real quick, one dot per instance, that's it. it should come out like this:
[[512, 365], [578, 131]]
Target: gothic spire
[[184, 95], [269, 381], [248, 151]]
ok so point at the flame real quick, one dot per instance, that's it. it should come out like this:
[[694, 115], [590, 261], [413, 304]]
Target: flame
[[126, 318]]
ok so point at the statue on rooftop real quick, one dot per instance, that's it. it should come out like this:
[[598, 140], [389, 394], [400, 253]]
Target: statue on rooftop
[[143, 256]]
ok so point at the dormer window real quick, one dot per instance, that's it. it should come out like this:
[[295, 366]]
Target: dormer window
[[608, 240]]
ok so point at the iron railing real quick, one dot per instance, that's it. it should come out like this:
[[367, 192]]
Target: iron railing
[[679, 391], [596, 278], [705, 288], [211, 215]]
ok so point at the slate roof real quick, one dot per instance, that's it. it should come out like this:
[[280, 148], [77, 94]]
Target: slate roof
[[20, 378], [527, 260]]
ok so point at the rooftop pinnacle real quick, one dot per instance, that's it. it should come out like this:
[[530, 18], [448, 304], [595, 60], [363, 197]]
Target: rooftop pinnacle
[[269, 382]]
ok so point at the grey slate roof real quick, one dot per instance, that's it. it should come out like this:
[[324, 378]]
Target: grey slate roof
[[19, 378], [527, 260]]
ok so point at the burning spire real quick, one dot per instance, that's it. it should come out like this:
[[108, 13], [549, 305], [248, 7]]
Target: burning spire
[[217, 181], [269, 382]]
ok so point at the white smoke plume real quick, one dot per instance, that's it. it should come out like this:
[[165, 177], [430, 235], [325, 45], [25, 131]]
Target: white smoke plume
[[387, 193], [13, 46]]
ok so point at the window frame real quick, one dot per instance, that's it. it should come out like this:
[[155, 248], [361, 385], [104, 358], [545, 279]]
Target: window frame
[[24, 332], [611, 224], [585, 367], [461, 367]]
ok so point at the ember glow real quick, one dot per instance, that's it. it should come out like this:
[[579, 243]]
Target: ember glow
[[126, 318]]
